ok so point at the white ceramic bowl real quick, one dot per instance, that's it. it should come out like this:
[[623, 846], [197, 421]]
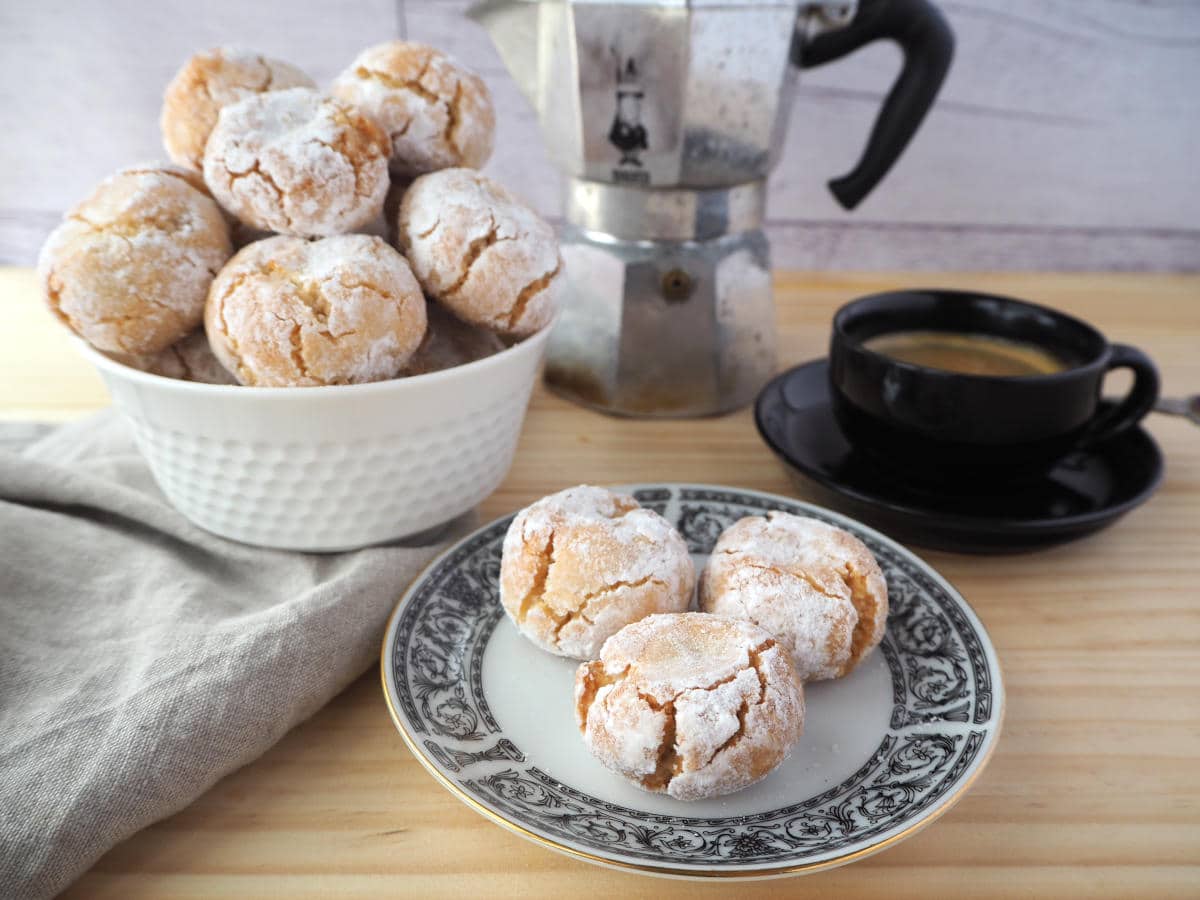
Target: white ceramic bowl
[[329, 468]]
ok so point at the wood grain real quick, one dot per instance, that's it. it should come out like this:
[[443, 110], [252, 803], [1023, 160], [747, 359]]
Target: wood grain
[[1094, 789], [1064, 137]]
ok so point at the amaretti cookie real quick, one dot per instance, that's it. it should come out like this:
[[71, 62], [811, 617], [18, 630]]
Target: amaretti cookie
[[208, 81], [296, 162], [815, 587], [481, 252], [291, 312], [690, 705], [129, 268], [581, 564], [437, 113]]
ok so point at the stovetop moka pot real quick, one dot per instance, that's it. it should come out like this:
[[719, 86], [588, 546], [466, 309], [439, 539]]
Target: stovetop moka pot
[[667, 118]]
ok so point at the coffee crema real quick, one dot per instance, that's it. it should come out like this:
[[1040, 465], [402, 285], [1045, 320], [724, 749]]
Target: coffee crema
[[967, 353]]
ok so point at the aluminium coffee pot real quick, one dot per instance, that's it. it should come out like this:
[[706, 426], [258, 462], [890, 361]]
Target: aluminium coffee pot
[[667, 117]]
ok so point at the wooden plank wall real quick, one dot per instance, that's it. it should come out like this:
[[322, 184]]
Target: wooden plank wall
[[1067, 136]]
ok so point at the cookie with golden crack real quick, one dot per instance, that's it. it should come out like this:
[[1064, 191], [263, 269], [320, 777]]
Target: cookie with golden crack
[[482, 253], [579, 565], [814, 586], [209, 81], [286, 312], [297, 162], [129, 268], [690, 705], [437, 113]]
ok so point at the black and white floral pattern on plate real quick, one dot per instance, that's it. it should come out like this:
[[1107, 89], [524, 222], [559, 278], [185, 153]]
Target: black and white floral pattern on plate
[[943, 695]]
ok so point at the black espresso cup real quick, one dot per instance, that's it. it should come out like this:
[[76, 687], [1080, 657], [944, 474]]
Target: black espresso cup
[[940, 425]]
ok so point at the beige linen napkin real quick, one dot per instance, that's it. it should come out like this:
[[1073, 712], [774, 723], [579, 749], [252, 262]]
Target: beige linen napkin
[[141, 658]]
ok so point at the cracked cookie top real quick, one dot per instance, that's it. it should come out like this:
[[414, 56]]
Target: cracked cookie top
[[129, 268], [581, 564], [291, 312], [490, 259], [296, 162], [436, 112], [816, 587], [208, 81], [690, 705]]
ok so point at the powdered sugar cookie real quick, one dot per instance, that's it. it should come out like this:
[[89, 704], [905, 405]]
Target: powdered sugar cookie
[[477, 249], [129, 268], [290, 312], [208, 81], [690, 705], [815, 587], [296, 162], [436, 112], [581, 564]]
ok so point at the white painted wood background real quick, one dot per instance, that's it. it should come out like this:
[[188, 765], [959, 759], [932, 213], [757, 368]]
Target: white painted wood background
[[1067, 135]]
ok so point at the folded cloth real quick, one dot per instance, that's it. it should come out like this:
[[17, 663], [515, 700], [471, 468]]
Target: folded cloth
[[142, 658]]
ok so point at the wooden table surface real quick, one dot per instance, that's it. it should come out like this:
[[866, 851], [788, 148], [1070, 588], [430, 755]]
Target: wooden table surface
[[1094, 788]]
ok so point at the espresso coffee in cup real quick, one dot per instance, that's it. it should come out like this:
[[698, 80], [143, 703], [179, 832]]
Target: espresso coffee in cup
[[952, 385], [970, 354]]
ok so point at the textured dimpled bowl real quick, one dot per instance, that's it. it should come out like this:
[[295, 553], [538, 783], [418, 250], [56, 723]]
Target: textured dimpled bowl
[[329, 468]]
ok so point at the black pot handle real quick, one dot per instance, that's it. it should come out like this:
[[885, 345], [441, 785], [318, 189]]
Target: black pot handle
[[1133, 408], [928, 45]]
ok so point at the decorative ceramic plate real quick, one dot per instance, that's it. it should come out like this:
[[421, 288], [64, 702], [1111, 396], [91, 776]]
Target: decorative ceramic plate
[[885, 750]]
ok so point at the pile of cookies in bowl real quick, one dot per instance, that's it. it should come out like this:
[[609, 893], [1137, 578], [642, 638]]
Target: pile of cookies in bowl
[[325, 274], [692, 704]]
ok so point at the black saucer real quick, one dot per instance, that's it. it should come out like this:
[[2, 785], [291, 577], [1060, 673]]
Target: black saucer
[[1085, 492]]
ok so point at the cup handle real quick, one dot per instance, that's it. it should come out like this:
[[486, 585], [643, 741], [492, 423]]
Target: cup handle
[[1139, 401]]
